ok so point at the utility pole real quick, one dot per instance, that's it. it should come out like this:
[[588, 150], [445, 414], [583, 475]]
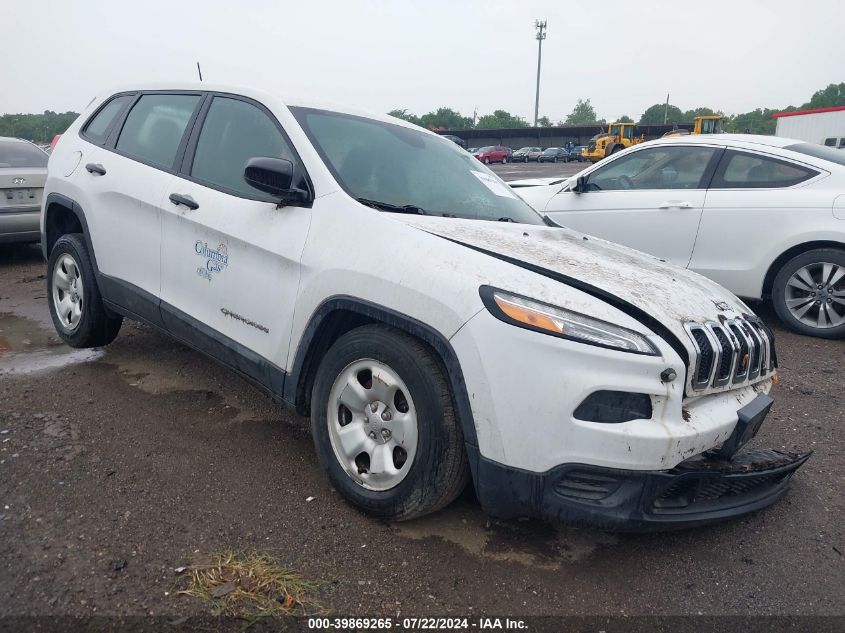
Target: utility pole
[[666, 110], [540, 26]]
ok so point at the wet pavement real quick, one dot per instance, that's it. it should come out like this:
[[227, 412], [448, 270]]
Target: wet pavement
[[149, 453]]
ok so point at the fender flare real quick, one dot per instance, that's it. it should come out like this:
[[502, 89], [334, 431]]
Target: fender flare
[[295, 383], [73, 206]]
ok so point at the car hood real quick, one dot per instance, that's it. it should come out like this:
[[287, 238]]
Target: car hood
[[656, 290]]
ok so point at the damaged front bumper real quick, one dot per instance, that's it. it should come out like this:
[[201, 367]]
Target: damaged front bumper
[[703, 489]]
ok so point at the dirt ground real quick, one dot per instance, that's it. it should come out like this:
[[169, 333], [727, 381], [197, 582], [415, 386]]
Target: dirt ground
[[119, 465]]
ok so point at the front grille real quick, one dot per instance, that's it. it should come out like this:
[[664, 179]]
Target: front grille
[[729, 353]]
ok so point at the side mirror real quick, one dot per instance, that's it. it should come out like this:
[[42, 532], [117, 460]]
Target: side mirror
[[274, 176], [580, 185]]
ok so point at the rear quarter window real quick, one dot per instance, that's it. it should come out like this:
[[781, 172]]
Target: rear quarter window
[[746, 170], [98, 127]]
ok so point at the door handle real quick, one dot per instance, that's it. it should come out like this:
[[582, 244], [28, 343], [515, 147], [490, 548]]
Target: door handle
[[96, 168], [675, 204], [187, 201]]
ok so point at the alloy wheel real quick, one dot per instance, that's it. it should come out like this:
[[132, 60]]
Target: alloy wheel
[[815, 295]]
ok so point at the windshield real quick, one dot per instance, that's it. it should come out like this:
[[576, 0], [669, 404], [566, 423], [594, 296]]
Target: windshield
[[819, 151], [407, 170], [551, 150], [24, 155]]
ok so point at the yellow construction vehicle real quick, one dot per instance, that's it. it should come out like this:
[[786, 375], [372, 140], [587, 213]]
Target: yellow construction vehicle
[[705, 124], [618, 137]]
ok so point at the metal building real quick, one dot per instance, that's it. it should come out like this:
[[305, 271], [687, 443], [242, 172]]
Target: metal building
[[825, 126]]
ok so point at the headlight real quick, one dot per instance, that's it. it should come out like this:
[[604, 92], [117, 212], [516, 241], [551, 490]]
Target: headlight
[[542, 317]]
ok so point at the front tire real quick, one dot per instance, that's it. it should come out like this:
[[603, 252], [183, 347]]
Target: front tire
[[808, 293], [384, 425], [76, 306]]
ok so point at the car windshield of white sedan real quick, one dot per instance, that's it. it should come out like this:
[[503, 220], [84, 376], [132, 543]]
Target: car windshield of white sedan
[[399, 169], [23, 155]]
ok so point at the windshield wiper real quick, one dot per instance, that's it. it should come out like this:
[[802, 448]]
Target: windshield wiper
[[392, 208], [506, 219]]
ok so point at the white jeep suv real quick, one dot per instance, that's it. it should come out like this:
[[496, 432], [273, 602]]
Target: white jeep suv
[[375, 275]]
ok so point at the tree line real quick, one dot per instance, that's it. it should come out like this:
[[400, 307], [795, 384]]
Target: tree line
[[757, 121], [41, 128]]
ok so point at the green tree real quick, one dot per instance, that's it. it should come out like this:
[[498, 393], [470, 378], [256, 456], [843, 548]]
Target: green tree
[[759, 121], [544, 121], [405, 116], [625, 119], [654, 115], [582, 114], [447, 119], [832, 96], [499, 119], [689, 115]]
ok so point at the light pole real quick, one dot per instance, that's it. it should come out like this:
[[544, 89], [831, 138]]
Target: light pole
[[540, 26]]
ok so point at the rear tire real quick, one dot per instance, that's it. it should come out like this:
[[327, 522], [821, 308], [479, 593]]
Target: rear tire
[[804, 298], [76, 307], [357, 383]]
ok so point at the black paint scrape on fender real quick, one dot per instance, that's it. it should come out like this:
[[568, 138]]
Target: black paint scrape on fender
[[628, 308], [701, 490]]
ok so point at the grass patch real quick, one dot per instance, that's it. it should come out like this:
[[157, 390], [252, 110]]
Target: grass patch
[[250, 585]]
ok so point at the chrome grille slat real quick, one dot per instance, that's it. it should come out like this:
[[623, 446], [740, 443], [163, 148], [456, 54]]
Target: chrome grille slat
[[733, 352]]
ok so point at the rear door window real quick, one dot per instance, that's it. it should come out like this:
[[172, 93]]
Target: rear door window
[[745, 170], [98, 127], [154, 128]]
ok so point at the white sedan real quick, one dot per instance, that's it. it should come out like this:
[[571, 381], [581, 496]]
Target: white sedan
[[763, 216]]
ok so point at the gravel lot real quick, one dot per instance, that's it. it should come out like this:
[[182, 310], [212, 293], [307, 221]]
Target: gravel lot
[[119, 465]]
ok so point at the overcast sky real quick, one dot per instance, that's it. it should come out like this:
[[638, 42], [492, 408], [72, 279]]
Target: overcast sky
[[420, 54]]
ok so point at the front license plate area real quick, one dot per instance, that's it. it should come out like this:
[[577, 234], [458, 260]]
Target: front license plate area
[[750, 420]]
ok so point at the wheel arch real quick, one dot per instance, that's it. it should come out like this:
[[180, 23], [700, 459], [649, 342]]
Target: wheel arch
[[337, 316], [794, 251], [62, 216]]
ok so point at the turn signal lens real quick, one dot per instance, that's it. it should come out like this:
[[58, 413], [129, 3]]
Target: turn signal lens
[[529, 317]]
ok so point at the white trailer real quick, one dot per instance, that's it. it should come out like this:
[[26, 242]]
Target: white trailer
[[825, 126]]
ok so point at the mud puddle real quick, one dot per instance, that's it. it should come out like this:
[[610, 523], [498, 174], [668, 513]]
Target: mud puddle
[[26, 346], [530, 543]]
